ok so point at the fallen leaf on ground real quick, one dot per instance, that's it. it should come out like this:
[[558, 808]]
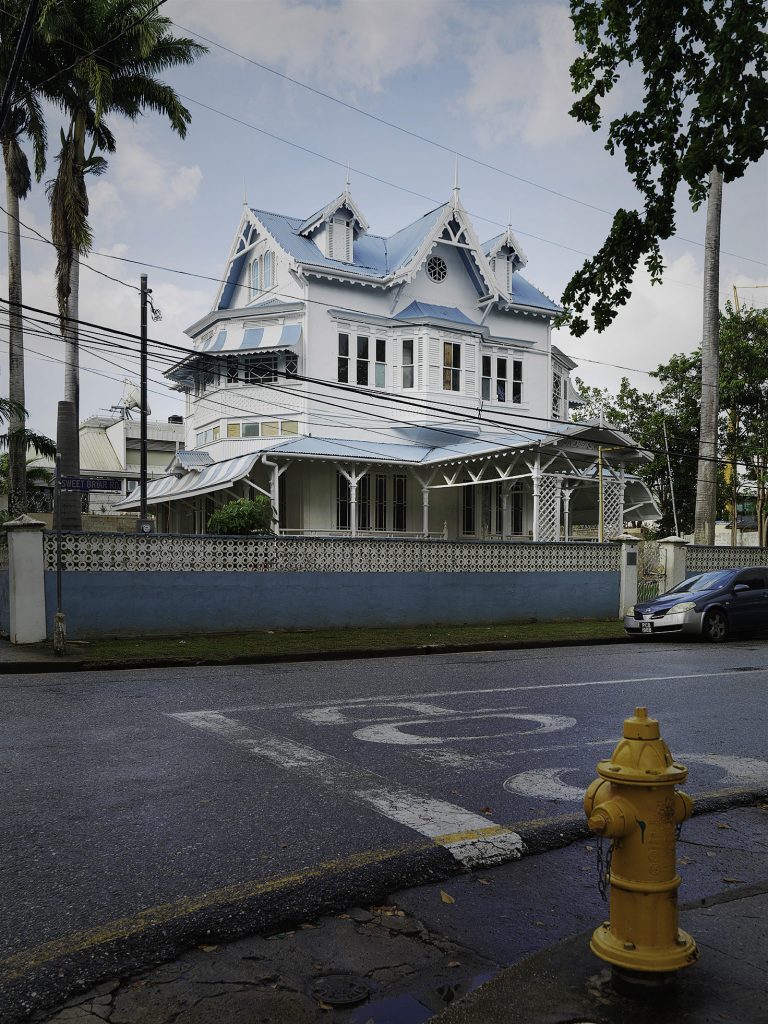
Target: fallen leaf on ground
[[684, 860], [446, 897], [485, 810], [207, 949], [454, 963], [324, 1006], [722, 824], [483, 881], [740, 880]]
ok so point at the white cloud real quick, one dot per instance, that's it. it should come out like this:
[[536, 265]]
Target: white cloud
[[137, 174], [519, 81], [658, 321], [348, 45]]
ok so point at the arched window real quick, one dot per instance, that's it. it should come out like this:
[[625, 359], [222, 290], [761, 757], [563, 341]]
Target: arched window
[[255, 277], [267, 270]]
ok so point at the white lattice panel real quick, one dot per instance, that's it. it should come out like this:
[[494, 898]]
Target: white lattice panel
[[613, 508], [549, 508], [119, 552], [701, 559]]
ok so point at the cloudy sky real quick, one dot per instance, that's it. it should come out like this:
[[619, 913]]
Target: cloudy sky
[[486, 79]]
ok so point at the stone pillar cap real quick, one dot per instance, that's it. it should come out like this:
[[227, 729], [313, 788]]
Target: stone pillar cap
[[672, 540], [624, 538], [25, 522]]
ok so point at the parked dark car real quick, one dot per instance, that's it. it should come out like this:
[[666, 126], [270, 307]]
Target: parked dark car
[[712, 604]]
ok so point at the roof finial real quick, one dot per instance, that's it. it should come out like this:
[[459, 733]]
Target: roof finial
[[245, 194], [346, 185], [456, 181]]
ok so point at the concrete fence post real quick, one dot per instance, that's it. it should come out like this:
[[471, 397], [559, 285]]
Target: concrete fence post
[[26, 580], [628, 571], [673, 555]]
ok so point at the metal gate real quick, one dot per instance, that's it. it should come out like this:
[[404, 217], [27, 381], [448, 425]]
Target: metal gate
[[651, 571]]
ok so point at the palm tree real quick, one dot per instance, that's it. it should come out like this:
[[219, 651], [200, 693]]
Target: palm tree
[[24, 119], [117, 47]]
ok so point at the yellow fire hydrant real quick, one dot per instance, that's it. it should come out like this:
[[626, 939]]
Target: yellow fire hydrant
[[634, 803]]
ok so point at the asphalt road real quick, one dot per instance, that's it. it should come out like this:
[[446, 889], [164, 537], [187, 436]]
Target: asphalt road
[[133, 802]]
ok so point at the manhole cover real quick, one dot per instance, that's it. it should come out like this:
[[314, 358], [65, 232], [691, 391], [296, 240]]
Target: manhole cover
[[342, 989]]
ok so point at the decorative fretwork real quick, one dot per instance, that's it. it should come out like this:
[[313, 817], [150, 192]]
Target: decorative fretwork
[[120, 552], [702, 559], [613, 508], [549, 508]]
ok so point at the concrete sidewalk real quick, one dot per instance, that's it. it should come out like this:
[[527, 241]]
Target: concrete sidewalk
[[568, 983], [426, 948]]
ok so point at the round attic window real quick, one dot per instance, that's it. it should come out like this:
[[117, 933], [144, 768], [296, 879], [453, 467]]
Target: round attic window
[[437, 268]]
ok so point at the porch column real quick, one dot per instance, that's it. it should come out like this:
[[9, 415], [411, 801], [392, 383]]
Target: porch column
[[536, 475], [425, 510], [567, 513], [353, 478], [622, 489], [506, 525], [556, 528]]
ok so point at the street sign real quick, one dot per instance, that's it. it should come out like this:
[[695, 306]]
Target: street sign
[[89, 483]]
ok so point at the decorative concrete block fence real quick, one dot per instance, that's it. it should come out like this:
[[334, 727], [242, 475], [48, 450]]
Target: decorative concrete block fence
[[127, 584]]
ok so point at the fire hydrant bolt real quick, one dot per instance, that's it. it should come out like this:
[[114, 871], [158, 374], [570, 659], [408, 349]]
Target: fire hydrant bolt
[[634, 802]]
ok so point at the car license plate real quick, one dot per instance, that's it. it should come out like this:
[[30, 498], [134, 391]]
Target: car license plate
[[646, 627]]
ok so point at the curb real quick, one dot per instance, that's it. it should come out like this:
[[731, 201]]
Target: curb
[[64, 665], [279, 908]]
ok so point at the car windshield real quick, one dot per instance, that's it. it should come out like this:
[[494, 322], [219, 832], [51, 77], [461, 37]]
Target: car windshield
[[706, 581]]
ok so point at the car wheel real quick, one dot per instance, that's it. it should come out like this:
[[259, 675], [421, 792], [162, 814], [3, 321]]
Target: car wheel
[[715, 626]]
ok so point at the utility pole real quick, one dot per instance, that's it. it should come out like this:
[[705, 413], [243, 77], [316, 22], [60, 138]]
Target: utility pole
[[671, 479], [144, 524]]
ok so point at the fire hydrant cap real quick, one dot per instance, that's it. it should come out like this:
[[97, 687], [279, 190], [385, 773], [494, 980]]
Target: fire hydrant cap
[[641, 756], [640, 727]]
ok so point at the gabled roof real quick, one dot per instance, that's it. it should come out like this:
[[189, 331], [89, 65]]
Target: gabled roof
[[506, 240], [342, 202], [377, 259]]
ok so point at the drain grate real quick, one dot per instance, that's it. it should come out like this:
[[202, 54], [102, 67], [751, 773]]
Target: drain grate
[[342, 989]]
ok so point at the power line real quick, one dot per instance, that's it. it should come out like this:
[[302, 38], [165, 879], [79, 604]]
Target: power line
[[454, 151], [419, 405]]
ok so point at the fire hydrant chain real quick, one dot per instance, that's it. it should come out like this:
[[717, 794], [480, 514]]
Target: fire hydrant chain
[[635, 806], [603, 868]]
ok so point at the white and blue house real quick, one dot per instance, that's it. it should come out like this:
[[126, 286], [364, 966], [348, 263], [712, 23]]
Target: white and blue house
[[405, 385]]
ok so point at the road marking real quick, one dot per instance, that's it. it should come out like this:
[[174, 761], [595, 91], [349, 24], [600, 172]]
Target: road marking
[[547, 784], [544, 783], [384, 698], [124, 927], [436, 819], [393, 732], [746, 770]]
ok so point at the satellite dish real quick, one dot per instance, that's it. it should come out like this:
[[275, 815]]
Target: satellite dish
[[131, 398]]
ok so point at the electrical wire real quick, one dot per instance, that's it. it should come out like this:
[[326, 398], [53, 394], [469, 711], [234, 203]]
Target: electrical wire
[[432, 142], [361, 394]]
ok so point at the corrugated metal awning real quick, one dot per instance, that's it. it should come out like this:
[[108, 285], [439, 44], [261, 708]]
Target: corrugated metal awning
[[247, 338], [171, 488]]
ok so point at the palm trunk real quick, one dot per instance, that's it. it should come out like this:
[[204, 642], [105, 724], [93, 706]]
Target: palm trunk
[[17, 449], [706, 478]]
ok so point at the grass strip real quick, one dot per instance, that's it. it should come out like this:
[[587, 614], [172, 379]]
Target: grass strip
[[276, 643]]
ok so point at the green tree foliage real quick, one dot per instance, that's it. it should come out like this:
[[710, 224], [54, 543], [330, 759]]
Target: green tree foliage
[[645, 416], [743, 421], [704, 69], [243, 516], [744, 397]]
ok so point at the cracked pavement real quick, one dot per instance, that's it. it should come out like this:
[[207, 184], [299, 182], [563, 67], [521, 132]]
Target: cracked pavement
[[430, 947]]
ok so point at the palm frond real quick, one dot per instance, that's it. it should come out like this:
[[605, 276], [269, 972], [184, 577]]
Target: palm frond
[[33, 442]]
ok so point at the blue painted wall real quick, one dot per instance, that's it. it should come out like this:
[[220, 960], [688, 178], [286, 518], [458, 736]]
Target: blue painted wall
[[5, 622], [120, 603]]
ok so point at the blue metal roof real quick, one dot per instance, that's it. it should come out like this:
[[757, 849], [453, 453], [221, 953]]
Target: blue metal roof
[[524, 294], [431, 312]]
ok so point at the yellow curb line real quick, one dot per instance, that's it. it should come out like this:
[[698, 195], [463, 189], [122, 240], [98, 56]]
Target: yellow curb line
[[124, 927]]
